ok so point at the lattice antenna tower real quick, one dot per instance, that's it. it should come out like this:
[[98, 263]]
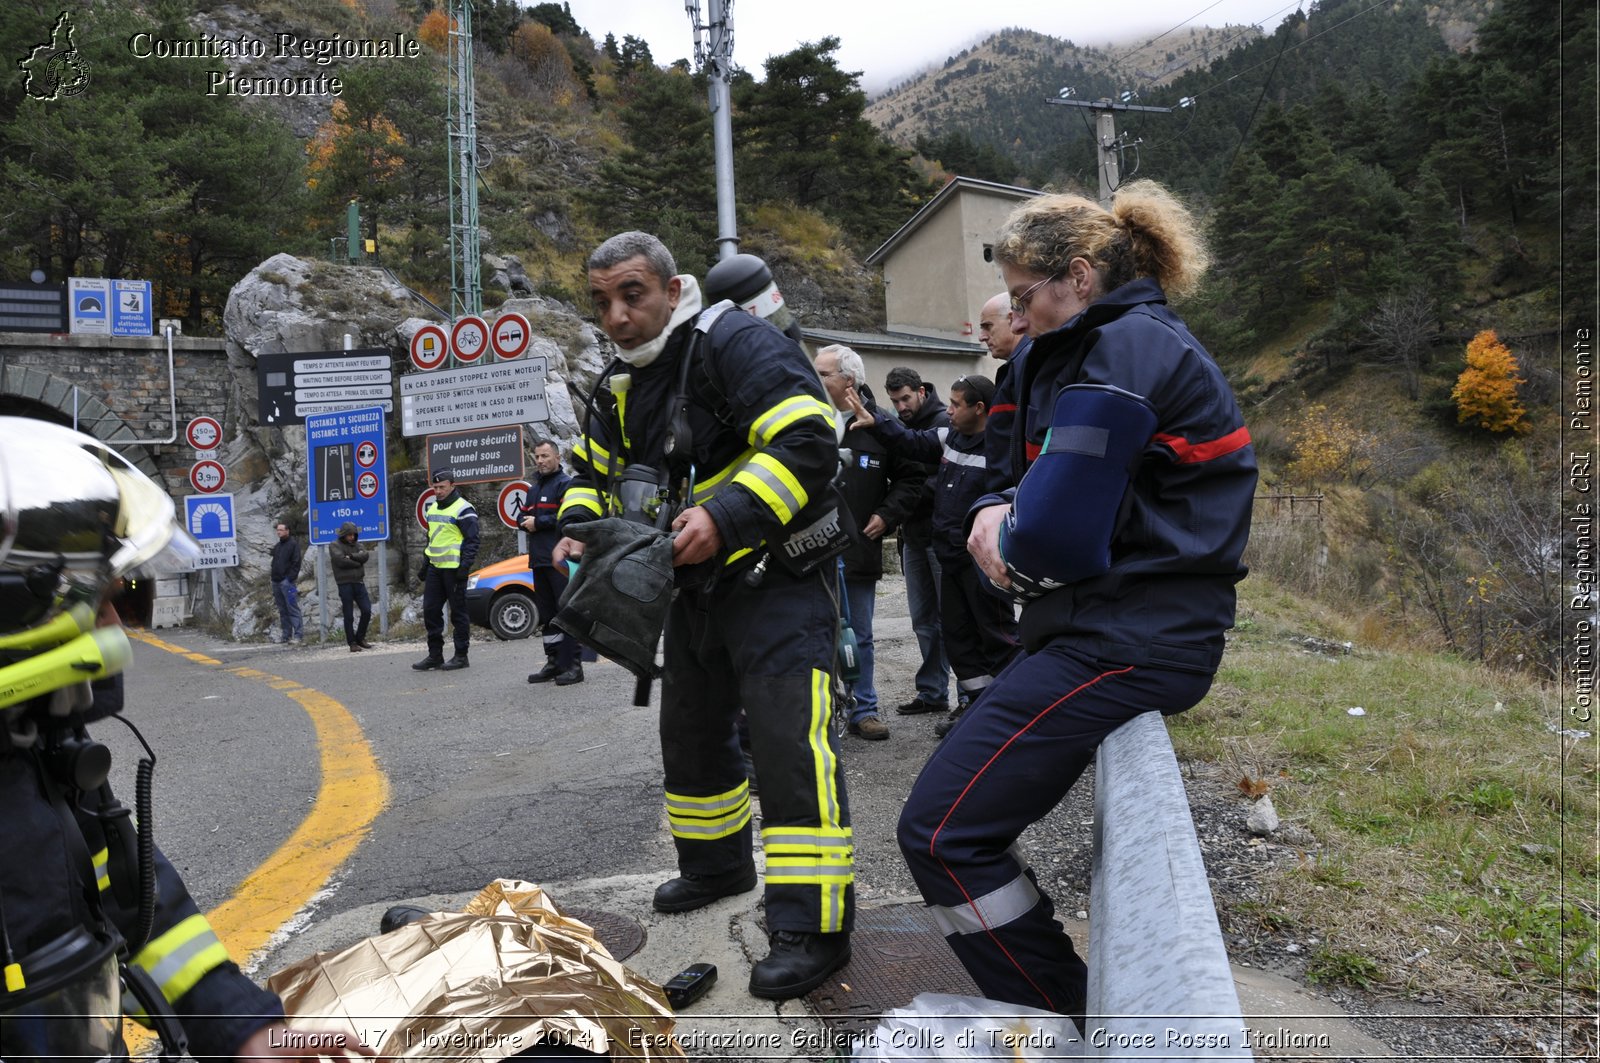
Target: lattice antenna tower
[[466, 285]]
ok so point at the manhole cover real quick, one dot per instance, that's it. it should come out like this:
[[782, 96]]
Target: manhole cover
[[621, 935], [896, 952]]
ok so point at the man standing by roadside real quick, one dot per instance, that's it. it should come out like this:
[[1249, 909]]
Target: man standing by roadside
[[751, 624], [880, 489], [1008, 346], [917, 405], [452, 547], [538, 516], [286, 558], [349, 559]]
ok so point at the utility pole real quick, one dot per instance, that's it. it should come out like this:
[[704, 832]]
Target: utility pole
[[713, 50], [1106, 142], [466, 287]]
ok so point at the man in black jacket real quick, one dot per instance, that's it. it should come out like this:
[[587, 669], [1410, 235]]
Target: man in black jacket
[[286, 558], [539, 516], [751, 450], [881, 489], [917, 404]]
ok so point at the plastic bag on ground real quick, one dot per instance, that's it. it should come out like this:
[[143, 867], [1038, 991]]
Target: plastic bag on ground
[[943, 1026]]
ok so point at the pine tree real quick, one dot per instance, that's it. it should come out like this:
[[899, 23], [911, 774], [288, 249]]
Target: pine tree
[[1486, 390]]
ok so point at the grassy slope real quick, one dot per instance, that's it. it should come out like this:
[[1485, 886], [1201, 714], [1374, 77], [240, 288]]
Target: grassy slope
[[1455, 830]]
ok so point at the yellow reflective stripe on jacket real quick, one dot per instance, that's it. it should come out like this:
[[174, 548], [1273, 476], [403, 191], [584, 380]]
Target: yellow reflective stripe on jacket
[[769, 480], [444, 535], [706, 818], [586, 499], [767, 426], [705, 488], [102, 869], [596, 457], [182, 956]]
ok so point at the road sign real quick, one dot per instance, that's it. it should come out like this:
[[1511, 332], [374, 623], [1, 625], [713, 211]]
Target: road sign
[[422, 506], [88, 305], [130, 309], [204, 433], [339, 487], [429, 346], [512, 496], [291, 386], [478, 396], [207, 476], [478, 456], [209, 519], [510, 335], [469, 338]]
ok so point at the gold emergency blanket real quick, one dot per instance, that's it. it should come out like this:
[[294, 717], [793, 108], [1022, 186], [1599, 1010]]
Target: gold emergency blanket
[[506, 973]]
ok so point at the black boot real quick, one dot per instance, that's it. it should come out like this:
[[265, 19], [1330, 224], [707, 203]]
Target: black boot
[[550, 670], [689, 892], [458, 661], [798, 963], [570, 676], [431, 661]]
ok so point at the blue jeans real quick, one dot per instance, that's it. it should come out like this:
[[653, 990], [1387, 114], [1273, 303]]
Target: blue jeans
[[861, 594], [287, 597], [922, 596]]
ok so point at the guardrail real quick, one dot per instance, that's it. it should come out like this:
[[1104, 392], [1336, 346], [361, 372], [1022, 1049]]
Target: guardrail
[[1159, 982]]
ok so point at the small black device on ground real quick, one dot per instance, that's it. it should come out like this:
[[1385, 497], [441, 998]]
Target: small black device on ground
[[690, 984]]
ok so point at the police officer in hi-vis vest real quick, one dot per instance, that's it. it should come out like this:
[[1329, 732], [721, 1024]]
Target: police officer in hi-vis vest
[[452, 547]]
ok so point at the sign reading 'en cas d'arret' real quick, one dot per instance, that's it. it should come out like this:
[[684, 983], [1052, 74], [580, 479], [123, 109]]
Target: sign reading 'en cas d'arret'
[[479, 396]]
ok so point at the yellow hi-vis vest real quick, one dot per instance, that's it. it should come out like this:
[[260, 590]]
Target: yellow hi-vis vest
[[444, 536]]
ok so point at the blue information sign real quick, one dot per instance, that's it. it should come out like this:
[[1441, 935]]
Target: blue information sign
[[348, 474], [131, 313]]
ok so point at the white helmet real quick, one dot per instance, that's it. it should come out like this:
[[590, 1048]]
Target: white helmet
[[75, 516]]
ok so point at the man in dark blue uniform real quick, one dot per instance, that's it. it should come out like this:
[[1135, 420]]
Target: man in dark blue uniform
[[724, 412], [539, 516]]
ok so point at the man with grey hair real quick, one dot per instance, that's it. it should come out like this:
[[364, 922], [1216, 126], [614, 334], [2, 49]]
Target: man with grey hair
[[881, 489], [722, 414]]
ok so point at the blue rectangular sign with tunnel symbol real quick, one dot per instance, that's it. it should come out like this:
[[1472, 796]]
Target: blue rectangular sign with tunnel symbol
[[209, 519]]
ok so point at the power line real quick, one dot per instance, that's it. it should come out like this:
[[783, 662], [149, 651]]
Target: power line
[[1234, 77]]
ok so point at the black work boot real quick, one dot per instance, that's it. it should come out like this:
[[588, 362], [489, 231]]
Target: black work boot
[[454, 663], [431, 661], [570, 676], [798, 963], [688, 892], [550, 670]]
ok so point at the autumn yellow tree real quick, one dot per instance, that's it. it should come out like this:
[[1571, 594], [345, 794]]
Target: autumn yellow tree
[[1327, 447], [435, 30], [1486, 390], [549, 65]]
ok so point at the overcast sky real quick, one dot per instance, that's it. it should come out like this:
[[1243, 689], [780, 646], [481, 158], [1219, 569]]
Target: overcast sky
[[889, 39]]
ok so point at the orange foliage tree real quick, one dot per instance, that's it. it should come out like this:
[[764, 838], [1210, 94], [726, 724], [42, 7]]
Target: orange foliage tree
[[1486, 390], [366, 148], [435, 30]]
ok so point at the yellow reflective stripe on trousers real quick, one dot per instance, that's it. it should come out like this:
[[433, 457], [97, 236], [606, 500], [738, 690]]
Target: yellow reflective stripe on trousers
[[586, 499], [830, 816], [182, 956], [102, 869], [707, 818], [769, 480], [767, 426], [807, 856]]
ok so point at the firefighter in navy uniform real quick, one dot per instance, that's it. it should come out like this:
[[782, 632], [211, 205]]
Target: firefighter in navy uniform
[[94, 920], [748, 624], [452, 547], [539, 516]]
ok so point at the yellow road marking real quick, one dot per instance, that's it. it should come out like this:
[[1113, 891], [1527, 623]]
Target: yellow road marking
[[354, 790]]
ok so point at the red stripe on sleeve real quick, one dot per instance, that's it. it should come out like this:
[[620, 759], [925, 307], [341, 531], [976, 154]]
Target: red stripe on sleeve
[[1004, 407], [1189, 453]]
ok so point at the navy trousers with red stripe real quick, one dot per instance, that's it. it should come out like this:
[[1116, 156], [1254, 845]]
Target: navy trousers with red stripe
[[1009, 760]]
